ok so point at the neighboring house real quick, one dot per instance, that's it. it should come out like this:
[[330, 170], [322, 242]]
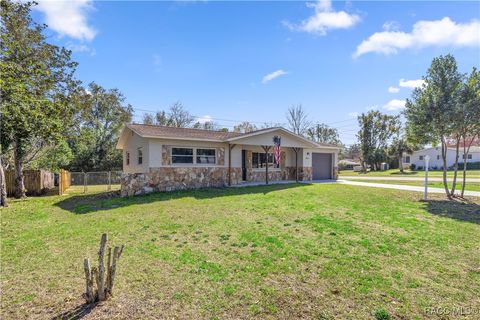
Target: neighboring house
[[158, 158], [348, 164], [418, 157]]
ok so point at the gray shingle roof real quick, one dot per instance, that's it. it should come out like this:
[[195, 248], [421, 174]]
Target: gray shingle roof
[[187, 133]]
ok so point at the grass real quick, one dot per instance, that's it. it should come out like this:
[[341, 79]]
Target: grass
[[409, 173], [321, 251], [471, 186]]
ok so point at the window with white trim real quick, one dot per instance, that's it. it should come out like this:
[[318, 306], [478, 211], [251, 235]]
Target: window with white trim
[[420, 158], [205, 156], [407, 159], [182, 155], [259, 160], [469, 157], [140, 155]]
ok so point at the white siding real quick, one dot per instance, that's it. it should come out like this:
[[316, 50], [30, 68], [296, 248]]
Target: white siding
[[436, 161], [134, 141]]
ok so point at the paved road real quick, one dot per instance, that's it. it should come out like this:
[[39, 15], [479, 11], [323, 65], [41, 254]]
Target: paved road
[[403, 187], [459, 179]]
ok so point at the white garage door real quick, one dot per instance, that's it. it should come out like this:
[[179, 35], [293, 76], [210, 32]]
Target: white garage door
[[322, 166]]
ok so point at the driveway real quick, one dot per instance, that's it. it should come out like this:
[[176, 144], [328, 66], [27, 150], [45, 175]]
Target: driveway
[[459, 179], [403, 187]]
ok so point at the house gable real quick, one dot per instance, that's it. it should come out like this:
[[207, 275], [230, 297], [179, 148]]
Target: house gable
[[265, 138]]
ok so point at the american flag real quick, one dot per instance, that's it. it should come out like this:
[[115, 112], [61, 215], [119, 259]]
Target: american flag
[[276, 149]]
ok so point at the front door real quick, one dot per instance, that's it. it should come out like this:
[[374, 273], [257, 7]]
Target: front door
[[244, 165]]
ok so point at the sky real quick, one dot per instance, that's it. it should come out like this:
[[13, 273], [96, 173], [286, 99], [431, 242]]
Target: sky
[[232, 61]]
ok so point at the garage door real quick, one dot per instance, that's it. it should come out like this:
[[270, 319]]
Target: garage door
[[322, 166]]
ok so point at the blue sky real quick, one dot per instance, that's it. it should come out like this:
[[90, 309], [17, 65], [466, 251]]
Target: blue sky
[[252, 60]]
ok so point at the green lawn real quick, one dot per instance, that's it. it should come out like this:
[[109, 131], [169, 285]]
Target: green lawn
[[324, 251], [408, 173], [471, 186]]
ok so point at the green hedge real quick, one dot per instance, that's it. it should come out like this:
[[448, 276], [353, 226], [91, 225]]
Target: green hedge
[[470, 166]]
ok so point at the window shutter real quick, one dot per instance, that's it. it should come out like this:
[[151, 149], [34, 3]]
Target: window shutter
[[166, 155], [220, 156], [282, 159]]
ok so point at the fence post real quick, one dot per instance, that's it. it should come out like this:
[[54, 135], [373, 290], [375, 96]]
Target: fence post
[[84, 182], [109, 181], [60, 182]]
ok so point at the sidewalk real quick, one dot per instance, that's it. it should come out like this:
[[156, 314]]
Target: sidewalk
[[436, 179], [403, 187]]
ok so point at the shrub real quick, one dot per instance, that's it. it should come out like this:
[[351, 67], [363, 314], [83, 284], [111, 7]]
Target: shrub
[[382, 314], [413, 166], [470, 165]]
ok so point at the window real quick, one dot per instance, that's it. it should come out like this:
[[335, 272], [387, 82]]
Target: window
[[420, 158], [407, 159], [182, 155], [259, 160], [469, 157], [127, 158], [438, 157], [205, 156], [140, 155]]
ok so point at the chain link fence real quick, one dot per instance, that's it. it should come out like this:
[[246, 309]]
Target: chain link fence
[[83, 182]]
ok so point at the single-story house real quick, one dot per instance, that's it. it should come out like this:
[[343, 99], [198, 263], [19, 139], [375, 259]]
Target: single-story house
[[417, 158], [159, 158], [348, 164]]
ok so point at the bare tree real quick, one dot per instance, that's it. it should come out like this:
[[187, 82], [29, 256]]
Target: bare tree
[[208, 125], [298, 119], [162, 118], [179, 116], [148, 119], [267, 125], [244, 127]]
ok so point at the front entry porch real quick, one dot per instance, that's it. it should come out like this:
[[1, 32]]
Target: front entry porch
[[257, 165]]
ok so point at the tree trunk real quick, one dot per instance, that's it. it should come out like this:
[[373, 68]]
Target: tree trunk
[[455, 167], [3, 186], [19, 182], [466, 151], [400, 163], [464, 180], [101, 268], [444, 160]]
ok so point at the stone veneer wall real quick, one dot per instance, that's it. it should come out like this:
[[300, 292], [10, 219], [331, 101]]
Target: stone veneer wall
[[177, 178], [287, 173]]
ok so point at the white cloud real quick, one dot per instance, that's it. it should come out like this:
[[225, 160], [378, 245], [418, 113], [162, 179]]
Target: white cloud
[[412, 84], [325, 18], [391, 26], [273, 75], [68, 18], [394, 105], [353, 114], [204, 119], [393, 89], [81, 48], [444, 32]]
